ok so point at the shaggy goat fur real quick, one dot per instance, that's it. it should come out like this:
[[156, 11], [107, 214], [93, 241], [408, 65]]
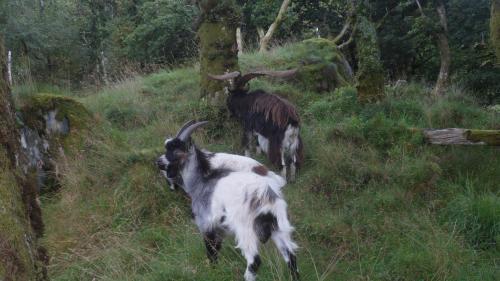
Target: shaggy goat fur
[[232, 162], [274, 121]]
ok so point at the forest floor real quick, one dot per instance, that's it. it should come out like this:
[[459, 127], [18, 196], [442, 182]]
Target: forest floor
[[372, 202]]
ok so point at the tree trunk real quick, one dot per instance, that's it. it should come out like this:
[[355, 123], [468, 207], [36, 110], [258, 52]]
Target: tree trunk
[[370, 76], [20, 216], [218, 46], [495, 27], [264, 41], [444, 52]]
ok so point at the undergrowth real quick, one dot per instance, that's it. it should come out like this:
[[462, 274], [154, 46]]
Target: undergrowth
[[371, 203]]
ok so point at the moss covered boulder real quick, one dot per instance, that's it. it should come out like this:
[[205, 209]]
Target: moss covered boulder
[[53, 113], [53, 126], [321, 66]]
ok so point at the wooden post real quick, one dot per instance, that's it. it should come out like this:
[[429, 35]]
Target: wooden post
[[239, 41], [104, 61], [457, 136], [9, 67]]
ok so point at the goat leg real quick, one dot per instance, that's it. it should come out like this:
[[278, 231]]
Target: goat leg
[[213, 243]]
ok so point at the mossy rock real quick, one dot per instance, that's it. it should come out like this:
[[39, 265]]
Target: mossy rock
[[38, 106], [52, 126], [322, 67]]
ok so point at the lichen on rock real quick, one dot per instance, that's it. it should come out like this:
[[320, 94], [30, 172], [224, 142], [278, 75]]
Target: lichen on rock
[[52, 127]]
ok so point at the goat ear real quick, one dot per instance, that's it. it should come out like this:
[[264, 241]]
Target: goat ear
[[227, 76]]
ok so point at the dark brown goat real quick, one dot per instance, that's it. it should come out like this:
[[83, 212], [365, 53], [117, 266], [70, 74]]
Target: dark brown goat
[[272, 119]]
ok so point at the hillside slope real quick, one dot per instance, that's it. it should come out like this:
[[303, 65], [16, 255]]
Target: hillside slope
[[372, 202]]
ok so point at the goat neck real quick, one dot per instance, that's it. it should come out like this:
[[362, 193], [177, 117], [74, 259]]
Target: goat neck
[[196, 170]]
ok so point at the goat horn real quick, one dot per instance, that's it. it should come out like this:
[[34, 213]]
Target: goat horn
[[227, 76], [187, 124], [184, 136], [280, 74]]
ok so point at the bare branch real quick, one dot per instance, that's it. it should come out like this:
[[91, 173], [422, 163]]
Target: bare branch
[[264, 42], [347, 24], [346, 27], [349, 41], [420, 7]]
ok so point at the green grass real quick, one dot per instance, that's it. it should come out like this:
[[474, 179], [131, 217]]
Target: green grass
[[372, 202]]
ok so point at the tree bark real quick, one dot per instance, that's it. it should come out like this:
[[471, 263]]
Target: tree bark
[[264, 41], [495, 28], [218, 46], [444, 51], [20, 218]]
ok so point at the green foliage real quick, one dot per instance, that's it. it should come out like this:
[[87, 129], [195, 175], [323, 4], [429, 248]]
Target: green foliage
[[163, 32], [303, 19], [44, 43]]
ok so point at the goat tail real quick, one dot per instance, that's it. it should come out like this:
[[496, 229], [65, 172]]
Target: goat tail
[[276, 182], [284, 228]]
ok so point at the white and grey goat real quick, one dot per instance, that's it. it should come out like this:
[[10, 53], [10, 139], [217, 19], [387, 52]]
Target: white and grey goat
[[224, 201], [219, 160]]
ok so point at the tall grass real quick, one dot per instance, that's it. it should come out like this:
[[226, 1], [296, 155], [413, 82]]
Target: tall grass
[[372, 202]]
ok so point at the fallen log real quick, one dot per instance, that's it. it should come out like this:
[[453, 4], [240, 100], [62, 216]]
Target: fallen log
[[458, 136]]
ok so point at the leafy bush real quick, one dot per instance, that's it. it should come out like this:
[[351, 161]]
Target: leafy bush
[[164, 34]]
